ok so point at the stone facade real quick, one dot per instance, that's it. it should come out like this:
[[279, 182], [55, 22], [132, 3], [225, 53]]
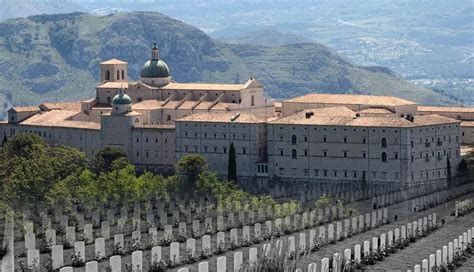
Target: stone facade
[[464, 114]]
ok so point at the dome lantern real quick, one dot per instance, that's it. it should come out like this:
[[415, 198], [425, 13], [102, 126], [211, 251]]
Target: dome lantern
[[155, 72], [155, 53]]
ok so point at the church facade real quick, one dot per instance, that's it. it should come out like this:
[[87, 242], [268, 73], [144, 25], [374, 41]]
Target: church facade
[[316, 137]]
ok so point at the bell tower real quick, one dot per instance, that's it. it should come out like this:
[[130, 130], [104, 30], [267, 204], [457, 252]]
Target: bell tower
[[113, 70]]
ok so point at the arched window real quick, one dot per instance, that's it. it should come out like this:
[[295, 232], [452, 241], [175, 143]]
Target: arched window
[[384, 142], [293, 154], [107, 75], [384, 157], [123, 74], [293, 139]]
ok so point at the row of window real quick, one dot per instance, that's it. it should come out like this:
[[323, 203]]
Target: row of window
[[147, 141], [224, 136], [215, 149], [439, 142], [120, 75], [339, 173], [294, 154], [155, 153]]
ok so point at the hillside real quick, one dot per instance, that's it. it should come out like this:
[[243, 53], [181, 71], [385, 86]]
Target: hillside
[[266, 37], [56, 57]]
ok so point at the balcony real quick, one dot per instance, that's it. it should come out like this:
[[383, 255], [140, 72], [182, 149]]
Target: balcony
[[427, 144], [440, 143]]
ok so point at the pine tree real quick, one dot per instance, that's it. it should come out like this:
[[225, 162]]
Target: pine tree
[[232, 165]]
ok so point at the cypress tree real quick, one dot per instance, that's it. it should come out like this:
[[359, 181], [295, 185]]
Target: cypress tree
[[5, 139], [232, 165], [448, 168]]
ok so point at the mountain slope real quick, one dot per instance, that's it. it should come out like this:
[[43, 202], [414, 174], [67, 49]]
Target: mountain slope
[[56, 57], [266, 37]]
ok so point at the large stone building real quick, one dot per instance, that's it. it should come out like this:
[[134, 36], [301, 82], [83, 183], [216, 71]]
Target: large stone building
[[137, 117], [316, 137]]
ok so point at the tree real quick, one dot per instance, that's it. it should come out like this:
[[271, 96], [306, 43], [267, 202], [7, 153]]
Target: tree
[[463, 167], [32, 173], [188, 169], [232, 165], [5, 139], [102, 162], [24, 145], [448, 168]]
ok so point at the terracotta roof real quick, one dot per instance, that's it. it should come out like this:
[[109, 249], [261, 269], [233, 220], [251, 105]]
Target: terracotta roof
[[72, 106], [445, 109], [113, 85], [223, 117], [204, 86], [299, 118], [333, 111], [187, 105], [133, 113], [24, 109], [113, 61], [171, 104], [154, 127], [147, 105], [350, 99], [59, 118], [204, 105], [376, 111], [221, 106], [467, 124]]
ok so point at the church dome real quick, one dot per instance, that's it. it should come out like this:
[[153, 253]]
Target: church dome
[[155, 68], [121, 99]]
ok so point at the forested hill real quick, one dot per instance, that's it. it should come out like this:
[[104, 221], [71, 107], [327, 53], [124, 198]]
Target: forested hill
[[56, 57]]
